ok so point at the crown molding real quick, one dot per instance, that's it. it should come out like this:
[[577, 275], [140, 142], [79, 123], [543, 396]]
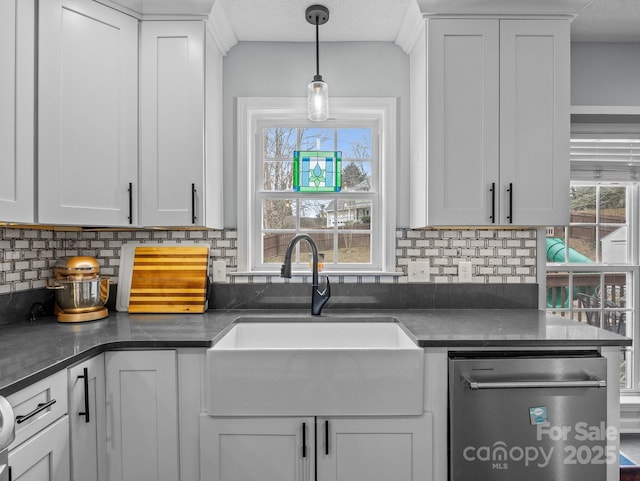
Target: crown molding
[[220, 29], [410, 28], [502, 7]]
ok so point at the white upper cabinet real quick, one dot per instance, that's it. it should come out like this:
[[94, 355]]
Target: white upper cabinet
[[88, 114], [17, 54], [490, 122], [172, 123], [534, 121]]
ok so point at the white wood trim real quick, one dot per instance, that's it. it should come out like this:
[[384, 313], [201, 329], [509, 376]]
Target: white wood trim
[[605, 110], [213, 135], [252, 109]]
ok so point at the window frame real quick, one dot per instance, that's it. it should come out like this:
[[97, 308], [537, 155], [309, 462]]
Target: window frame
[[631, 268], [253, 113]]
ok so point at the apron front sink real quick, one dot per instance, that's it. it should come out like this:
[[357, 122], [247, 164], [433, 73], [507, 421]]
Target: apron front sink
[[345, 366]]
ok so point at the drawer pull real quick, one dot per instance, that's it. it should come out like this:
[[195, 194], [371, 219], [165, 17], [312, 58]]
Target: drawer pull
[[85, 377], [41, 407]]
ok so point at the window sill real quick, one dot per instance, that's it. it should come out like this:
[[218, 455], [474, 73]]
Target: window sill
[[630, 400]]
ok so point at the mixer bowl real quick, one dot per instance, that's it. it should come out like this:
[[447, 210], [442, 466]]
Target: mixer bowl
[[81, 296]]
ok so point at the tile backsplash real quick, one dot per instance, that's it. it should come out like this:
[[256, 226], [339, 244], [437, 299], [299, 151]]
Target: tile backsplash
[[27, 255]]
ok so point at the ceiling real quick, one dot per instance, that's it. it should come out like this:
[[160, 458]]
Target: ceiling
[[608, 21], [380, 20]]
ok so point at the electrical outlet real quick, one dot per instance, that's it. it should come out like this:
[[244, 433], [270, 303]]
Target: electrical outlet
[[418, 271], [219, 271], [465, 271]]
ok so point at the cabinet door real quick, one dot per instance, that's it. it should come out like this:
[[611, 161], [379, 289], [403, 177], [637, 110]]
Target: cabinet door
[[43, 457], [462, 120], [534, 121], [142, 415], [17, 95], [257, 449], [87, 420], [172, 123], [375, 449], [88, 111]]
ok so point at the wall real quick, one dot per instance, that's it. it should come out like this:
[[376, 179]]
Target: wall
[[605, 74], [281, 69]]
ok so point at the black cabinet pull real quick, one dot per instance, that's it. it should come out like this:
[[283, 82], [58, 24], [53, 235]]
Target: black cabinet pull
[[41, 407], [510, 216], [193, 203], [326, 437], [10, 476], [85, 378], [130, 190], [492, 217], [304, 440]]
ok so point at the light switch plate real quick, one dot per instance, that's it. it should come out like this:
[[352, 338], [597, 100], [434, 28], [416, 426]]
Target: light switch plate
[[418, 271], [219, 271], [465, 271]]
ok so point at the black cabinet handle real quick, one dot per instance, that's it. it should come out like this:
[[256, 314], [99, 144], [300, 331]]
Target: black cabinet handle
[[10, 476], [85, 378], [304, 440], [41, 407], [326, 437], [130, 190], [193, 203], [492, 217], [510, 216]]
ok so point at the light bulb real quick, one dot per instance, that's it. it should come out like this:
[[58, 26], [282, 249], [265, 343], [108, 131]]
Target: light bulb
[[318, 100]]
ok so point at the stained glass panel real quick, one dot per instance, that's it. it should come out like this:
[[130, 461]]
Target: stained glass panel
[[319, 171]]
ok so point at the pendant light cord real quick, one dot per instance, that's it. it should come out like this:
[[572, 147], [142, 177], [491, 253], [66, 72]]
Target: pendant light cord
[[318, 77]]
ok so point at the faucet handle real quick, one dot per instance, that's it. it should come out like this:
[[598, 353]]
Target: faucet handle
[[319, 299], [327, 289]]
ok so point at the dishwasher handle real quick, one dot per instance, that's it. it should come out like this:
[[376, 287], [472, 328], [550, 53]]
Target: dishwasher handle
[[475, 385]]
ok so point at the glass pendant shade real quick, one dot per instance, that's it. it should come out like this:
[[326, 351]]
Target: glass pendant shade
[[318, 100]]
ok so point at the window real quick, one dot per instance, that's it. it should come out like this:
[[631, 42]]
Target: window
[[354, 228], [592, 264]]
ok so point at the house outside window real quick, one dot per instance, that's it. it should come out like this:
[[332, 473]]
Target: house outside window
[[353, 227]]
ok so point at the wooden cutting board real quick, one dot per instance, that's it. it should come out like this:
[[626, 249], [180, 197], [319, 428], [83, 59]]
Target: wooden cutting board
[[169, 279]]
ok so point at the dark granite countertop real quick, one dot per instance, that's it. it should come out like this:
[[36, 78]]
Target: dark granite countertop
[[32, 350]]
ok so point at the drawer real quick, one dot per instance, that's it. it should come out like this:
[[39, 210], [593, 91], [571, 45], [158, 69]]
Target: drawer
[[39, 405]]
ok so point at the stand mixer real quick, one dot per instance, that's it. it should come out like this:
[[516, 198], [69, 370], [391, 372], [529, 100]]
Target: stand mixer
[[80, 291]]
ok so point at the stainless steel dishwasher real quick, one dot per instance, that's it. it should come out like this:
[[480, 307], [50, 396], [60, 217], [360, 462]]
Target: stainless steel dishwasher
[[528, 416], [7, 434]]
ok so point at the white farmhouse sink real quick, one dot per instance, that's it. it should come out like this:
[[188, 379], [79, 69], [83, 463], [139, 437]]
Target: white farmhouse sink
[[299, 367]]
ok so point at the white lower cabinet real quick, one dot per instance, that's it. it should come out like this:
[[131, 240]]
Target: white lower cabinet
[[43, 457], [256, 449], [40, 451], [310, 448], [142, 415], [375, 449], [87, 420]]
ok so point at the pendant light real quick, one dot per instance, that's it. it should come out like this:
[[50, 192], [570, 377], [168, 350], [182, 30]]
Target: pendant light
[[318, 90]]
